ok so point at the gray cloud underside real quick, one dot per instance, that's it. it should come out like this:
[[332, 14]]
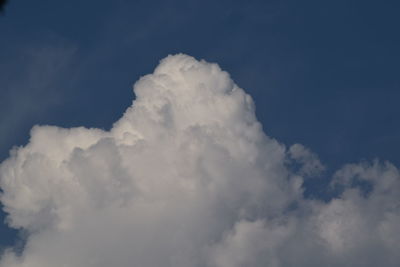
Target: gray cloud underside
[[188, 178]]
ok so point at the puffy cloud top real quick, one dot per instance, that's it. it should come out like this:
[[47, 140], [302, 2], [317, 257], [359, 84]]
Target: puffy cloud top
[[187, 178]]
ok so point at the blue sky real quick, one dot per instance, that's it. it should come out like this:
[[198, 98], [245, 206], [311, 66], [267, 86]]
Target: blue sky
[[322, 73]]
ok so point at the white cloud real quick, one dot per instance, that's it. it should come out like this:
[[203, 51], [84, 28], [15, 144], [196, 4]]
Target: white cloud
[[187, 178]]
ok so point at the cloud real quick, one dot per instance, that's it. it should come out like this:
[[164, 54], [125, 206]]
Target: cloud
[[309, 162], [188, 178]]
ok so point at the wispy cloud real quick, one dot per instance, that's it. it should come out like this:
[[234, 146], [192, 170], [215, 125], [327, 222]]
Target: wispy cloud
[[28, 89]]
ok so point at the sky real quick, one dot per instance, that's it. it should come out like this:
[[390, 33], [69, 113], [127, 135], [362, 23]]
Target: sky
[[324, 80]]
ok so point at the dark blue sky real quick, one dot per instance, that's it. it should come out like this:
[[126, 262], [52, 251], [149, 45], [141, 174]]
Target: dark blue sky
[[322, 73]]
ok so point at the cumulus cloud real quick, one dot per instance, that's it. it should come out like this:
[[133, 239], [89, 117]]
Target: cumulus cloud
[[188, 178]]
